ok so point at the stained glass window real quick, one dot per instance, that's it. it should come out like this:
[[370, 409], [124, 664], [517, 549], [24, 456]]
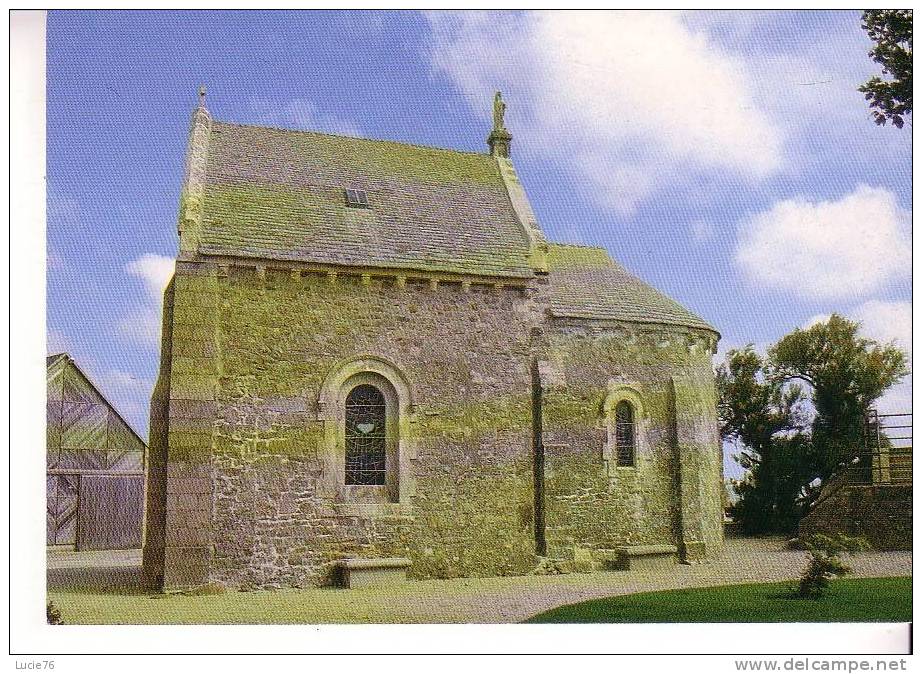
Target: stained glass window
[[366, 441], [624, 433]]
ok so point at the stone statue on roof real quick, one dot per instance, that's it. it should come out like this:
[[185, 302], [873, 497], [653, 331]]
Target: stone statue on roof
[[499, 109]]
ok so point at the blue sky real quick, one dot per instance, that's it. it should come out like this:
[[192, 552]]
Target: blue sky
[[724, 157]]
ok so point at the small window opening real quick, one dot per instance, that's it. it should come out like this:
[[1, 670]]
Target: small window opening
[[625, 433], [366, 436], [356, 198]]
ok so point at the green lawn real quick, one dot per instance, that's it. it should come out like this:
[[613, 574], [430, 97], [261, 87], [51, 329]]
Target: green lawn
[[273, 607], [463, 600], [848, 600]]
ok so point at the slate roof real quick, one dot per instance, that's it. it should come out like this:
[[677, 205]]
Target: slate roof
[[586, 283], [279, 194]]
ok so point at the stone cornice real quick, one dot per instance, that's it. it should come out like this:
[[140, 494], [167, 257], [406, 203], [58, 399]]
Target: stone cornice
[[197, 264]]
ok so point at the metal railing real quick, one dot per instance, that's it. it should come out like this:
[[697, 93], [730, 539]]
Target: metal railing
[[886, 457]]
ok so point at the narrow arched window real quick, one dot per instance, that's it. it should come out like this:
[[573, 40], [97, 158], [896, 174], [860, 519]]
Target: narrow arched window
[[625, 433], [366, 438]]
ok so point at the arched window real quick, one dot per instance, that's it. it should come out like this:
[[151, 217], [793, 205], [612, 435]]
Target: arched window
[[625, 433], [369, 438], [366, 436]]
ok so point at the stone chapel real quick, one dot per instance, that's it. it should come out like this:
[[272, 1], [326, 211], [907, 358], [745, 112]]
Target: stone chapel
[[371, 351]]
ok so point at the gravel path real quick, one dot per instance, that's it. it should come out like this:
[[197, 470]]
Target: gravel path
[[488, 600], [744, 560]]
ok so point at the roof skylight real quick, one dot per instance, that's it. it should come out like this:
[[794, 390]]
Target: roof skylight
[[356, 198]]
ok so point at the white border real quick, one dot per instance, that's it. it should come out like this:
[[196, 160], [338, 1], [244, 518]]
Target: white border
[[30, 634]]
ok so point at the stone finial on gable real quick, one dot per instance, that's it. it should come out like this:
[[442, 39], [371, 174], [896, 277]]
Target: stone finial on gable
[[190, 210], [499, 140]]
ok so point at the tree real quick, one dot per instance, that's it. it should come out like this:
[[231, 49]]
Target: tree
[[767, 418], [891, 30], [846, 374], [762, 406]]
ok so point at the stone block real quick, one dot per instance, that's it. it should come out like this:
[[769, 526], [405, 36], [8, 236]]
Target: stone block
[[647, 558], [189, 485], [356, 573], [189, 532], [192, 387], [185, 314], [582, 560], [195, 366], [186, 566], [192, 409], [694, 550], [182, 575]]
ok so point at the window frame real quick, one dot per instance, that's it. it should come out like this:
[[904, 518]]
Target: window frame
[[620, 449], [392, 499], [629, 393]]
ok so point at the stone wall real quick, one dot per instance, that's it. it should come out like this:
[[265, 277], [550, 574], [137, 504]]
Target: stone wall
[[672, 494], [465, 354], [178, 549], [882, 514], [242, 438], [155, 513]]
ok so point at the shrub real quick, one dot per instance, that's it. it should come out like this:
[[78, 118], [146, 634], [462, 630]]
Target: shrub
[[825, 563], [54, 614]]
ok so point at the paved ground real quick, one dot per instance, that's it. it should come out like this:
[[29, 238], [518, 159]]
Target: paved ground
[[478, 600], [93, 569]]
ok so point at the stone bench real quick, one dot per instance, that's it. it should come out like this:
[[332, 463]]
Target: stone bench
[[647, 557], [373, 572]]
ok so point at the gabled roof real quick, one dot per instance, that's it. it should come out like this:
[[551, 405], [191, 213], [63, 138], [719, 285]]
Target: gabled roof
[[54, 359], [279, 194], [54, 367], [587, 283]]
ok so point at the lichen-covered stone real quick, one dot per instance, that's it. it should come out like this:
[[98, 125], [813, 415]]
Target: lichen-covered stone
[[500, 398]]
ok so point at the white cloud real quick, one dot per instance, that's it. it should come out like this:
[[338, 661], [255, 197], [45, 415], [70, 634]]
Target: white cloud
[[303, 114], [813, 320], [143, 324], [886, 322], [61, 209], [897, 399], [629, 96], [883, 321], [889, 322], [828, 249], [155, 270]]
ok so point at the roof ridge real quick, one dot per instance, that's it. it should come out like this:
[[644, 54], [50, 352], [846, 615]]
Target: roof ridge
[[578, 245], [361, 138]]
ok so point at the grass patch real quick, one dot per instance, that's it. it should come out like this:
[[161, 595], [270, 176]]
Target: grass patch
[[278, 607], [459, 601], [848, 600]]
